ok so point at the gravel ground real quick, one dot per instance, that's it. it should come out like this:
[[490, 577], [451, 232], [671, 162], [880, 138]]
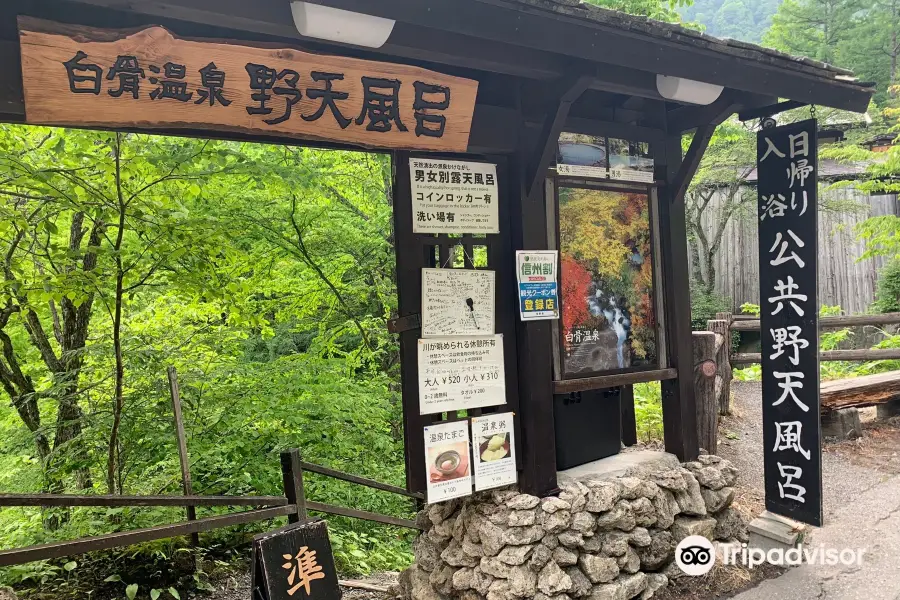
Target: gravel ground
[[740, 441], [237, 587]]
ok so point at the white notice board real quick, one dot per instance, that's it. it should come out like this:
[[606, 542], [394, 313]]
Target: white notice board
[[447, 461], [494, 451], [457, 302], [456, 373], [452, 196]]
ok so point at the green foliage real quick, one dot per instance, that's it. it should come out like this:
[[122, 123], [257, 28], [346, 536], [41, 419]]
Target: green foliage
[[738, 19], [832, 340], [661, 10], [705, 305], [264, 274], [887, 294], [648, 411]]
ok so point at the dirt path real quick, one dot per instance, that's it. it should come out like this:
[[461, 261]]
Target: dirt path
[[849, 468], [861, 498], [238, 588]]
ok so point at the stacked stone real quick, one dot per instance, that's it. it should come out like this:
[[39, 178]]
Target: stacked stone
[[602, 539]]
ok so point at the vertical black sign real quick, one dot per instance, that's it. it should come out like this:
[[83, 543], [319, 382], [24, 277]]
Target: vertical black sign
[[294, 563], [787, 178]]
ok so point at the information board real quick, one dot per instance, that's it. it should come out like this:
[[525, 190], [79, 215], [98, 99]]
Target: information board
[[450, 196], [788, 267], [448, 461], [461, 372], [494, 447], [457, 302], [538, 290]]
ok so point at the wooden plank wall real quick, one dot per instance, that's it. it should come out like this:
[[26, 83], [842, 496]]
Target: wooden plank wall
[[842, 280]]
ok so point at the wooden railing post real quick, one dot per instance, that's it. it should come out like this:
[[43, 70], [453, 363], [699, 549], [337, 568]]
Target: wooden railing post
[[721, 326], [182, 448], [292, 475], [704, 345]]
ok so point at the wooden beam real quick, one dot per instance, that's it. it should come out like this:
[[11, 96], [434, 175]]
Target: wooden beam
[[519, 25], [678, 400], [174, 390], [17, 556], [571, 88], [534, 346], [313, 468], [750, 358], [690, 117], [117, 500], [622, 131], [770, 110], [629, 418], [414, 43], [691, 162], [584, 384], [860, 391], [831, 322]]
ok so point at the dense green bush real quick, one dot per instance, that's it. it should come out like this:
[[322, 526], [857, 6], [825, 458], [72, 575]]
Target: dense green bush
[[887, 294], [705, 305]]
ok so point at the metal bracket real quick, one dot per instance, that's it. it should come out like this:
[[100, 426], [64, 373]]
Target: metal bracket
[[407, 323]]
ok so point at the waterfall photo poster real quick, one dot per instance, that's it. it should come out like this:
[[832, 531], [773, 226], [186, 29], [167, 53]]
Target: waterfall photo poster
[[606, 281]]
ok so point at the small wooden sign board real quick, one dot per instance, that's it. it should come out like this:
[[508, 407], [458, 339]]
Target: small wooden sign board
[[294, 563]]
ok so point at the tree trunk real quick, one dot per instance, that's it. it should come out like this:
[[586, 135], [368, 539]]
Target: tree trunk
[[119, 400]]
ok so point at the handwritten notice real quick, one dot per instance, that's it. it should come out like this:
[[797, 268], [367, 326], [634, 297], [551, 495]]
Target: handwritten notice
[[447, 460], [457, 302], [450, 196], [494, 456], [456, 373]]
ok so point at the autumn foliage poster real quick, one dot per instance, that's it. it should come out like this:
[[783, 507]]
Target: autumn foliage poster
[[608, 321]]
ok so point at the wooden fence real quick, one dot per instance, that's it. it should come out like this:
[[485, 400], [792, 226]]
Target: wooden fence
[[714, 362], [293, 504]]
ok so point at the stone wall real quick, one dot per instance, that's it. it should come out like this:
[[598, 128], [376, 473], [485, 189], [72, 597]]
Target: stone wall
[[606, 537]]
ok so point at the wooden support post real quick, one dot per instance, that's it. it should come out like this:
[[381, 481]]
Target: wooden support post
[[679, 409], [629, 421], [705, 389], [182, 448], [292, 476], [722, 328]]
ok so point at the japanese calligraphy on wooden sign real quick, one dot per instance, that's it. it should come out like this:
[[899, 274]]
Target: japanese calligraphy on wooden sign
[[450, 196], [494, 448], [457, 373], [457, 302], [149, 78], [294, 563], [788, 250], [538, 291], [447, 459]]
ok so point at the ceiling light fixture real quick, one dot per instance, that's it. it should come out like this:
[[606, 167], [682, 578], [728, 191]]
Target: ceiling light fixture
[[687, 90], [338, 25]]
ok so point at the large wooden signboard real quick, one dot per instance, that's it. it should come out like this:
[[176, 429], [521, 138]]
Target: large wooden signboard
[[787, 167], [149, 78]]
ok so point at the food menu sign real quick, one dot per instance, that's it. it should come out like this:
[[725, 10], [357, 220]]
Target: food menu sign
[[494, 448], [447, 460], [150, 78], [788, 251]]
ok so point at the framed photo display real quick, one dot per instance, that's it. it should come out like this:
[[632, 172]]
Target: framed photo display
[[607, 284]]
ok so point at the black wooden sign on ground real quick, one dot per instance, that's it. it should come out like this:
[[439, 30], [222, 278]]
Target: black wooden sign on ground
[[788, 249], [294, 563]]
